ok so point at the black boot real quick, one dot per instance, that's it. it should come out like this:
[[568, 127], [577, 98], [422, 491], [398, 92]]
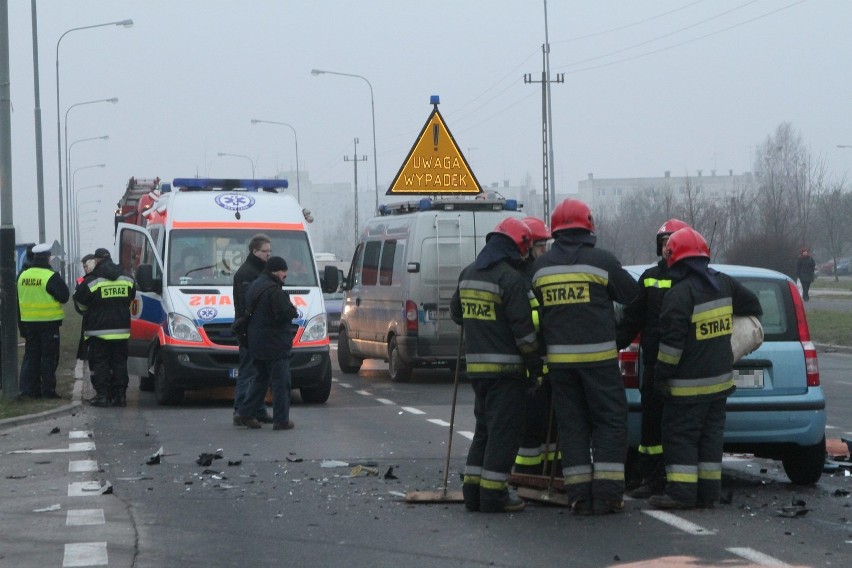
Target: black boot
[[120, 398], [100, 400]]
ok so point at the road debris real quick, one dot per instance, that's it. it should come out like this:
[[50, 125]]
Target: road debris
[[206, 459], [155, 458], [55, 430], [334, 463]]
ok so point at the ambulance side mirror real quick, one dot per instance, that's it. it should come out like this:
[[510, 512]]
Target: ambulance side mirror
[[330, 279], [145, 280]]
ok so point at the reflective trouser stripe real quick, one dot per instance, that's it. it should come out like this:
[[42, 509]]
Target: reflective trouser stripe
[[577, 474], [710, 471], [651, 450], [609, 471], [682, 473]]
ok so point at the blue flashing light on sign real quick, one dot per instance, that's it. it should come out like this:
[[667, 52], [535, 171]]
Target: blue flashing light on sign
[[511, 205], [434, 100], [425, 204], [198, 184]]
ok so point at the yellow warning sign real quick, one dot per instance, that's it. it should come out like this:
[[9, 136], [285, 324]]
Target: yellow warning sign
[[435, 164]]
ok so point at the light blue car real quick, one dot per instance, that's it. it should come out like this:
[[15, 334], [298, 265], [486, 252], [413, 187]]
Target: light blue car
[[778, 409]]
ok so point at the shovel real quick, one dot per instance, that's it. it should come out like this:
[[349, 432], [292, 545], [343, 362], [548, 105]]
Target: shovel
[[442, 495], [548, 496]]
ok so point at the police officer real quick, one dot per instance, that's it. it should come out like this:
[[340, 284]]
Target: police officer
[[643, 315], [694, 370], [492, 303], [104, 296], [576, 285], [41, 293], [535, 451]]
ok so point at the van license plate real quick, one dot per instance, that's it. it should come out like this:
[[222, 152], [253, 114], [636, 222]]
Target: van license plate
[[233, 373], [748, 378]]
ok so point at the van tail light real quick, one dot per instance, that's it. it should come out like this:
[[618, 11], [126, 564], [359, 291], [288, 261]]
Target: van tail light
[[410, 318], [811, 365], [628, 364]]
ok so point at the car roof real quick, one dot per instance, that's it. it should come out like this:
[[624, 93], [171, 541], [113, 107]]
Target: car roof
[[735, 270]]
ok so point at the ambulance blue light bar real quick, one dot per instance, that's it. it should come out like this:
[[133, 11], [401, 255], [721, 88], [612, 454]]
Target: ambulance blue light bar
[[208, 184]]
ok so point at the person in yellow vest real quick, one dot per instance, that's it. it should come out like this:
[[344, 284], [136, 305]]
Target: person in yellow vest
[[41, 293], [105, 295]]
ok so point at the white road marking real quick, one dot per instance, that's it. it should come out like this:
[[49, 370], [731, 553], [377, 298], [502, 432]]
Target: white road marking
[[386, 401], [83, 488], [830, 427], [345, 385], [678, 523], [77, 434], [79, 517], [85, 554], [466, 434], [438, 421], [76, 447], [412, 410], [365, 393], [82, 466], [845, 383], [756, 557]]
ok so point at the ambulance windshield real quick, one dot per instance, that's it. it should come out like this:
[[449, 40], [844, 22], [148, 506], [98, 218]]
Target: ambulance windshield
[[211, 257]]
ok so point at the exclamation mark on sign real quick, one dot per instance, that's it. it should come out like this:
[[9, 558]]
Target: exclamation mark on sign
[[435, 135]]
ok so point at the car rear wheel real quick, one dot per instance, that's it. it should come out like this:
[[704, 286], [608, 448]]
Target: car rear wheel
[[399, 370], [803, 464], [345, 360], [164, 392]]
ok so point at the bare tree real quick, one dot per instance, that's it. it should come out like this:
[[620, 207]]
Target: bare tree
[[832, 211]]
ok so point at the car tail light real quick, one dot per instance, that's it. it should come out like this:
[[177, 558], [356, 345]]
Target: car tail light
[[628, 364], [811, 365], [410, 318]]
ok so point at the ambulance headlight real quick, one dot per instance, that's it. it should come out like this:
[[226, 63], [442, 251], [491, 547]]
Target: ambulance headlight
[[182, 328], [316, 329]]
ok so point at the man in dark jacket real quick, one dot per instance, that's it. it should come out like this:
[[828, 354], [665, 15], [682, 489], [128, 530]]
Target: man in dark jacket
[[270, 340], [41, 293], [694, 370], [259, 249], [104, 297], [576, 285]]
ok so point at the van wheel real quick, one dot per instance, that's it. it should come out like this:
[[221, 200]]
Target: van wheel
[[400, 371], [345, 360], [164, 392], [803, 464], [320, 393]]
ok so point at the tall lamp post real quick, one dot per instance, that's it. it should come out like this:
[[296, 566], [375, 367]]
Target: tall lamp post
[[240, 156], [72, 208], [126, 24], [69, 198], [296, 139], [316, 72], [113, 100]]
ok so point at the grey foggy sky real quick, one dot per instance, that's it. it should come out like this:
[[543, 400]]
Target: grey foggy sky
[[679, 85]]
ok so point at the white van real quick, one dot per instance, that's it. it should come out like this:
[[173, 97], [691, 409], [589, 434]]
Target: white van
[[190, 240], [396, 303]]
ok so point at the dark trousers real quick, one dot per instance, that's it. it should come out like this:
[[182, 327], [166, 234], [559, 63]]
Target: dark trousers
[[245, 376], [271, 374], [108, 361], [693, 435], [651, 444], [535, 456], [499, 409], [41, 356], [591, 413], [806, 285]]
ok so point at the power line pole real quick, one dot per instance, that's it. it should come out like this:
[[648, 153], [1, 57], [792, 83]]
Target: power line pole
[[549, 193], [355, 159]]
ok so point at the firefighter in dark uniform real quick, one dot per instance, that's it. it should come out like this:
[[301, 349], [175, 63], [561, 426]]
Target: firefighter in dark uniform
[[695, 370], [105, 295], [492, 302], [576, 285], [41, 293], [642, 315], [535, 455]]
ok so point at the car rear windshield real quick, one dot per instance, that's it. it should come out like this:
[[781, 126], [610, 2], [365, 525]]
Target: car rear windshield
[[779, 318]]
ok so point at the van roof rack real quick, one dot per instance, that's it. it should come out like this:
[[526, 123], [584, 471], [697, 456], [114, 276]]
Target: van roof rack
[[219, 184], [450, 204]]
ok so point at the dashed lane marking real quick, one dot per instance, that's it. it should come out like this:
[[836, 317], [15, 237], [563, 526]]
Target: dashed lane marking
[[79, 434], [85, 554], [438, 421], [83, 488], [756, 557], [79, 517], [412, 410], [467, 434], [76, 447], [678, 523], [386, 401], [365, 393], [345, 385], [82, 466]]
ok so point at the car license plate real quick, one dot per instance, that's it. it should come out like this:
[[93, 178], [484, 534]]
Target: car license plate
[[748, 378], [233, 373]]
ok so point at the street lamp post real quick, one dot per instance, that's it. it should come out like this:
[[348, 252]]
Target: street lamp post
[[113, 100], [72, 222], [316, 72], [72, 210], [240, 156], [126, 24], [296, 139]]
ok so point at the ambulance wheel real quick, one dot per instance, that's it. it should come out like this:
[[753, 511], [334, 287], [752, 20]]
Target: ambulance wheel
[[400, 371], [345, 360], [164, 392], [318, 394]]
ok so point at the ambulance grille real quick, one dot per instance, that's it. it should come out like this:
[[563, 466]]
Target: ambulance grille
[[220, 334]]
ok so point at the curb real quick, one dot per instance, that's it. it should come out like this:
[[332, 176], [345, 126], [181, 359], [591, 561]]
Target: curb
[[72, 408]]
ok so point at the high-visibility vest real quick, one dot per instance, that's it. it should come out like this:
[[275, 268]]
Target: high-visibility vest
[[34, 301]]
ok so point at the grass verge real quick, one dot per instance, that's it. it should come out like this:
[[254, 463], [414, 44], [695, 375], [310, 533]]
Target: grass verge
[[830, 327]]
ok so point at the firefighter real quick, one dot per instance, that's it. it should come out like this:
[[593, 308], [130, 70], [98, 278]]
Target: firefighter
[[694, 370], [41, 293], [535, 453], [492, 303], [642, 315], [104, 297], [576, 285]]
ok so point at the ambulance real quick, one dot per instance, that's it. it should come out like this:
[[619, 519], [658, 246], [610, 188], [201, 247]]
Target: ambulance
[[188, 241]]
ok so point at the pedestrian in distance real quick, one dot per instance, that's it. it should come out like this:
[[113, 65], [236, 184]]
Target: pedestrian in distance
[[576, 284], [104, 297], [805, 267], [259, 249], [492, 303], [270, 340], [642, 317], [88, 263], [41, 293], [694, 370]]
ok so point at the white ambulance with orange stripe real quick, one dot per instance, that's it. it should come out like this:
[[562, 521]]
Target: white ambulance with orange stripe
[[189, 241]]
